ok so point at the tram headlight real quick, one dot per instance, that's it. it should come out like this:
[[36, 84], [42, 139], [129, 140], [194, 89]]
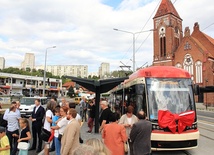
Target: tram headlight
[[156, 127], [194, 126]]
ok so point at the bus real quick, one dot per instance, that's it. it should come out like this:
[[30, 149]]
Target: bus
[[166, 95]]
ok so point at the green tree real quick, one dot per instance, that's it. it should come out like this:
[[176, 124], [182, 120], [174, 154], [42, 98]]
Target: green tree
[[71, 92], [34, 72]]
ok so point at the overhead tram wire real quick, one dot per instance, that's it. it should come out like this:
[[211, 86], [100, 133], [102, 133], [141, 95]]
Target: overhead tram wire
[[174, 2], [207, 26], [142, 30], [150, 17], [143, 41]]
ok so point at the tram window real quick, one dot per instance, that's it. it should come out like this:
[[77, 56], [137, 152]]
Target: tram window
[[139, 88]]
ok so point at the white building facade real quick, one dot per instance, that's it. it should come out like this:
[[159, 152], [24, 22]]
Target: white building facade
[[104, 70], [29, 61], [29, 85], [68, 70], [2, 62]]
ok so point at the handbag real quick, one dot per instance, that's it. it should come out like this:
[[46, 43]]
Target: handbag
[[45, 134], [60, 137], [23, 146], [126, 147]]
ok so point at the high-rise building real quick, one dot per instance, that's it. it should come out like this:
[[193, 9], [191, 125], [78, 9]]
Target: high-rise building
[[68, 70], [104, 70], [2, 63], [29, 61]]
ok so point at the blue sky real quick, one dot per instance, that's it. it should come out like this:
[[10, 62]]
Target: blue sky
[[112, 3], [82, 30]]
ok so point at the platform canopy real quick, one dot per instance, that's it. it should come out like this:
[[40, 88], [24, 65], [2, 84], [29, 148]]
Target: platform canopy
[[92, 85], [100, 86]]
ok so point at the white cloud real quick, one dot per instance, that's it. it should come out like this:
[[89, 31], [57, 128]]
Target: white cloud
[[83, 30]]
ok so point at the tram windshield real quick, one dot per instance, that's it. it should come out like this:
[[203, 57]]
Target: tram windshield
[[171, 94]]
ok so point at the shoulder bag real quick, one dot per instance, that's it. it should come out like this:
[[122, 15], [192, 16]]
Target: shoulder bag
[[45, 134], [126, 147], [23, 145]]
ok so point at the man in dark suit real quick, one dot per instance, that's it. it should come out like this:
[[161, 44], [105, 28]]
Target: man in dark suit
[[36, 118], [141, 135]]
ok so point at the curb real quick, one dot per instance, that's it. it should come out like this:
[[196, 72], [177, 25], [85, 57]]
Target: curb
[[202, 109]]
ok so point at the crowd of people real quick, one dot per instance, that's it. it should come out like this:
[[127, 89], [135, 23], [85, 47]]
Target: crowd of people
[[62, 124]]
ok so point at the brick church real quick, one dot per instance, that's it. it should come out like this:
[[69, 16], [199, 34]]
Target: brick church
[[192, 51]]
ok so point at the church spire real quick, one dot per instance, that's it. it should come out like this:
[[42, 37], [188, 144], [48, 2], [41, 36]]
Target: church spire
[[166, 7]]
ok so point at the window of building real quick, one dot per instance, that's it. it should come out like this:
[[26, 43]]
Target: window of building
[[176, 39], [162, 37], [187, 46], [188, 63], [198, 69]]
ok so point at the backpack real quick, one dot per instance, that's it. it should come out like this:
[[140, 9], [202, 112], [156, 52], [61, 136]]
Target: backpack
[[3, 122]]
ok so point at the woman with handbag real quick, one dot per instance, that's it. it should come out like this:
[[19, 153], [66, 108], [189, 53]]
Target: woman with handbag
[[127, 120], [59, 128], [25, 136], [47, 124]]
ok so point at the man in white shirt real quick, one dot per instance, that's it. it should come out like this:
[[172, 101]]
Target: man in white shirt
[[12, 116], [13, 104]]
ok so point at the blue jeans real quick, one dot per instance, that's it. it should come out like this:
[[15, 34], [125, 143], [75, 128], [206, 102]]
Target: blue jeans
[[13, 141], [57, 145]]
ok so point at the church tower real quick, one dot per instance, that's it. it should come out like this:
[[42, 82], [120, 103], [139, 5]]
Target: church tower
[[167, 34]]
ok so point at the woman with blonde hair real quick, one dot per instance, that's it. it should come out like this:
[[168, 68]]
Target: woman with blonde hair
[[99, 146], [25, 135]]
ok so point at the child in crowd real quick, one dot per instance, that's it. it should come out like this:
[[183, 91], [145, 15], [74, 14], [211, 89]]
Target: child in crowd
[[25, 135], [4, 142]]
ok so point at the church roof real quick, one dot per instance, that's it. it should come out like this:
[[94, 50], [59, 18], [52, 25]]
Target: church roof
[[200, 45], [209, 38], [166, 7]]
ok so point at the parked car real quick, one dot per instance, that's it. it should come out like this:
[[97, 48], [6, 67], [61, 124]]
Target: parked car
[[28, 103], [2, 94], [16, 94]]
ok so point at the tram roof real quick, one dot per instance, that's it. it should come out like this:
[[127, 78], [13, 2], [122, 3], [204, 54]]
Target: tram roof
[[160, 72]]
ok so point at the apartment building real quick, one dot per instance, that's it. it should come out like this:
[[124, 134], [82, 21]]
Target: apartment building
[[68, 70], [29, 61], [104, 70], [2, 62]]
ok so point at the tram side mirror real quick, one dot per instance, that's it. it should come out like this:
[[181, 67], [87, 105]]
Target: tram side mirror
[[139, 89], [196, 89]]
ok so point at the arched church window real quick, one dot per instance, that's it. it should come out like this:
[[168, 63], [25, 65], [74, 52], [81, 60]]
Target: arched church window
[[198, 69], [162, 36], [176, 37], [188, 63]]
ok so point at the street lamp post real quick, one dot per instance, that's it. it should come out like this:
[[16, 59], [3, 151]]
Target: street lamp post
[[133, 33], [44, 77]]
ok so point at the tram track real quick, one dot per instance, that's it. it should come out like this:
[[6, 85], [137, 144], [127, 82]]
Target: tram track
[[186, 152], [206, 137], [206, 129]]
